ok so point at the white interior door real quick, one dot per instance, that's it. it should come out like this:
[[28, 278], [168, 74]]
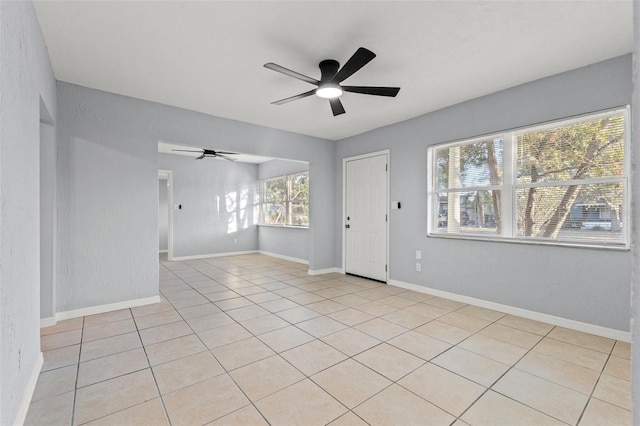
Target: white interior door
[[366, 217]]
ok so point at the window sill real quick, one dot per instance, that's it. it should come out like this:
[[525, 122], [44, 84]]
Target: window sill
[[535, 242], [283, 226]]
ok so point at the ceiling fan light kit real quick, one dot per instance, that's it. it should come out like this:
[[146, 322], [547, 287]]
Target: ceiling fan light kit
[[331, 76], [328, 91]]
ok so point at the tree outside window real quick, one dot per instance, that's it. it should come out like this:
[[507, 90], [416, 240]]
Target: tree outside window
[[284, 200], [560, 182]]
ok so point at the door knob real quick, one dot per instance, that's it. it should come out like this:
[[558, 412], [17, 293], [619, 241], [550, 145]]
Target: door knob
[[347, 226]]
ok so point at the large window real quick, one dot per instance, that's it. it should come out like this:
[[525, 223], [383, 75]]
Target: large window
[[284, 200], [564, 182]]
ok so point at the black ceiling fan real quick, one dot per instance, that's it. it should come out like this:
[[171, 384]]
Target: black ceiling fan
[[210, 153], [332, 75]]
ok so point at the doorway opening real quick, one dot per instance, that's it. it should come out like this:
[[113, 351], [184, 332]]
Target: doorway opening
[[47, 183], [165, 213]]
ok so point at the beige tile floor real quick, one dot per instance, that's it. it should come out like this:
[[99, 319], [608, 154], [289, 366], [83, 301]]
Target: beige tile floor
[[254, 340]]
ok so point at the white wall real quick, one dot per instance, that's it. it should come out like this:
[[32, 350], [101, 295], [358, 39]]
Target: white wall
[[290, 242], [25, 76], [587, 285], [163, 215], [218, 203]]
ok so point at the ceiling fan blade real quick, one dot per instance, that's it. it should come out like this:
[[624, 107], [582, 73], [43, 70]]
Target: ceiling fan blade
[[359, 59], [290, 73], [226, 153], [294, 98], [201, 157], [370, 90], [225, 157], [336, 106], [187, 150]]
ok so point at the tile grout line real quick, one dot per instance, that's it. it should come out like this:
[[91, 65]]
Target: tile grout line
[[218, 361], [310, 289]]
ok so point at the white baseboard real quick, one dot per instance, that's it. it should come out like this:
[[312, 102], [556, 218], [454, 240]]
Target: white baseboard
[[163, 251], [48, 322], [323, 271], [282, 256], [100, 309], [610, 333], [204, 256], [23, 409]]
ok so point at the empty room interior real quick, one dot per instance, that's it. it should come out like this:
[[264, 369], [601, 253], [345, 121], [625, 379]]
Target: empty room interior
[[319, 212]]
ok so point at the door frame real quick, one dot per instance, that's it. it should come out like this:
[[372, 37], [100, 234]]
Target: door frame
[[168, 176], [345, 160]]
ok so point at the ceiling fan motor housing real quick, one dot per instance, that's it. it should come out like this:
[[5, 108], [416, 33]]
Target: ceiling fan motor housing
[[328, 69]]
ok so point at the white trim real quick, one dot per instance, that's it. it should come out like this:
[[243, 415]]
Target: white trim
[[204, 256], [610, 333], [99, 309], [21, 415], [163, 251], [323, 271], [282, 256], [48, 322], [345, 160]]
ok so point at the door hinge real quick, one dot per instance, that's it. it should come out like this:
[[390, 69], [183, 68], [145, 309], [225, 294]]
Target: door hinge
[[386, 167], [385, 268], [386, 218]]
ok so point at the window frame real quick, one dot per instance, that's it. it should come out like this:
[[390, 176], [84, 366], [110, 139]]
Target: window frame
[[509, 185], [287, 200]]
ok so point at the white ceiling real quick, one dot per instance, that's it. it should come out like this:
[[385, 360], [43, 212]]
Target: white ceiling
[[208, 56], [175, 149]]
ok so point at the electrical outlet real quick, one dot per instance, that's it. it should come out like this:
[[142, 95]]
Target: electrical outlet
[[418, 254], [418, 267]]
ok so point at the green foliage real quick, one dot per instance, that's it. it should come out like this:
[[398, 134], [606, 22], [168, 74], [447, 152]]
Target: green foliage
[[584, 150], [285, 200]]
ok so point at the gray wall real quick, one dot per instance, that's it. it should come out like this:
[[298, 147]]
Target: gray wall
[[586, 285], [635, 238], [163, 215], [218, 202], [47, 219], [25, 76], [107, 156], [275, 168], [291, 242]]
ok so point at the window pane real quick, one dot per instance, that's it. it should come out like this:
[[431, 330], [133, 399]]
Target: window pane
[[571, 212], [275, 190], [299, 187], [583, 150], [470, 165], [474, 212], [273, 214], [299, 213]]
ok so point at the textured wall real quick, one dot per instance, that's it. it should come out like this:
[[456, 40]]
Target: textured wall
[[586, 285], [163, 215], [218, 203], [275, 168], [25, 76], [108, 188], [47, 219], [635, 238], [292, 242]]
